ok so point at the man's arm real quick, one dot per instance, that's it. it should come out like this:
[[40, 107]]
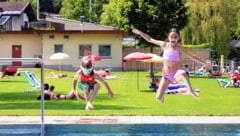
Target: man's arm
[[206, 63]]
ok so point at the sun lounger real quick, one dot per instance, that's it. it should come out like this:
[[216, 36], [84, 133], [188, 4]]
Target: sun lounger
[[31, 79]]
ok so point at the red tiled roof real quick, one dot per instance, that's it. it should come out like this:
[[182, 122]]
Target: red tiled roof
[[13, 6]]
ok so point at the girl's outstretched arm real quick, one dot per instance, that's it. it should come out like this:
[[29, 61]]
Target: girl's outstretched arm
[[207, 63], [148, 38]]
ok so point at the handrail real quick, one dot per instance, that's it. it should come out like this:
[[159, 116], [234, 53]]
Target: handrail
[[42, 82]]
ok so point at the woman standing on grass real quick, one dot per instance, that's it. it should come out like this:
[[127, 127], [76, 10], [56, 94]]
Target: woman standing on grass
[[172, 71]]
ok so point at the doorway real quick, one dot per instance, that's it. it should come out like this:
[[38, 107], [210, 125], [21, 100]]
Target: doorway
[[16, 53]]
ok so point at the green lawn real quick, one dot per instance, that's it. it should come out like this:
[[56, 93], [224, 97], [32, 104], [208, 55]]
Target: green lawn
[[213, 101]]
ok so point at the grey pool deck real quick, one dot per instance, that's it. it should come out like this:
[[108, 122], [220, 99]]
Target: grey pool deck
[[121, 119]]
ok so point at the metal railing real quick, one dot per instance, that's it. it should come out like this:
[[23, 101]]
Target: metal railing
[[40, 62]]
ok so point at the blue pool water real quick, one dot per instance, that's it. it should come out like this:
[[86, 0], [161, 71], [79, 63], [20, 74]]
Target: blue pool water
[[123, 130]]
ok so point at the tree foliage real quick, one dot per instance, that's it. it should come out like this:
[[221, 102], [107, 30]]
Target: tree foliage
[[210, 22], [151, 16], [90, 9], [236, 32], [115, 14]]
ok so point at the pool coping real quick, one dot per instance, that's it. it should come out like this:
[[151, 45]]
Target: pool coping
[[120, 120]]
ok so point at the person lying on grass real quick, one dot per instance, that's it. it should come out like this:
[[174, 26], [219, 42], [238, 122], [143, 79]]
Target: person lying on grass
[[50, 94], [70, 96], [87, 82]]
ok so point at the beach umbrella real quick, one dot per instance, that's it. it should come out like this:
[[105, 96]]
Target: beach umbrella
[[155, 58], [137, 56], [59, 57], [92, 58]]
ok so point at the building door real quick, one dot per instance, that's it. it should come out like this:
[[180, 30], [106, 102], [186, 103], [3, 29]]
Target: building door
[[16, 53]]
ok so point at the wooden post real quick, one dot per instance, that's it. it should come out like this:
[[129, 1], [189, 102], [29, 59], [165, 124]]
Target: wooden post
[[221, 63]]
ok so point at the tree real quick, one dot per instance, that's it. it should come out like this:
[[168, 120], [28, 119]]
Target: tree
[[115, 14], [154, 17], [236, 32], [90, 9], [97, 9], [209, 23]]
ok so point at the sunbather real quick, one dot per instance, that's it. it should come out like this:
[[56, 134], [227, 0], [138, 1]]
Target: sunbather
[[105, 74], [71, 95], [48, 93], [235, 78], [53, 75], [11, 71]]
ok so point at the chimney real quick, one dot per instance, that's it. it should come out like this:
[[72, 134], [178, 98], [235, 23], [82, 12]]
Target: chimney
[[82, 19], [81, 23]]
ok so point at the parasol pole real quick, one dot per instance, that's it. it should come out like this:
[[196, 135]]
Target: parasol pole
[[59, 66], [138, 76]]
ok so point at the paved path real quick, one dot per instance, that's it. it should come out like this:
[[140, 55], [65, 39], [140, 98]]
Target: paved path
[[120, 119]]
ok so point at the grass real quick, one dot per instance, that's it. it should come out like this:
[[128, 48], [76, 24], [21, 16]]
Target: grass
[[213, 101]]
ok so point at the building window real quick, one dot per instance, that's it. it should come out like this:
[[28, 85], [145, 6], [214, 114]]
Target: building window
[[104, 50], [58, 48], [51, 36], [66, 36], [85, 50]]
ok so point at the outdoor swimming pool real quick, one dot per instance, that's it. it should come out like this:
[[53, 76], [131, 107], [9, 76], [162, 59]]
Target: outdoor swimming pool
[[123, 130]]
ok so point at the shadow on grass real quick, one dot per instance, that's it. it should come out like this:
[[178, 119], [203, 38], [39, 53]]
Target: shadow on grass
[[147, 91], [15, 81], [28, 100], [66, 105], [18, 96]]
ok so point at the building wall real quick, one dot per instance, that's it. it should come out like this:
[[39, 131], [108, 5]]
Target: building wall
[[31, 46], [16, 23], [71, 47]]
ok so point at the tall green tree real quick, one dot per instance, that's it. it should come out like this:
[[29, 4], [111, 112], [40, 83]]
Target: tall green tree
[[211, 21], [236, 32], [73, 9], [154, 17], [90, 9], [115, 14], [151, 16], [97, 9]]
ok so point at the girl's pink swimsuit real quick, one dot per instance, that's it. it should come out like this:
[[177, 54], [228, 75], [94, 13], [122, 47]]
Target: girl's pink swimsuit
[[171, 55]]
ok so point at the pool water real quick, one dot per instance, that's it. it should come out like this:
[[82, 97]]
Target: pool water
[[123, 130]]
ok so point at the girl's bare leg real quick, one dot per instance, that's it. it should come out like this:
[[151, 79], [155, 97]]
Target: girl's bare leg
[[163, 85], [96, 87], [86, 93], [89, 105], [181, 74]]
